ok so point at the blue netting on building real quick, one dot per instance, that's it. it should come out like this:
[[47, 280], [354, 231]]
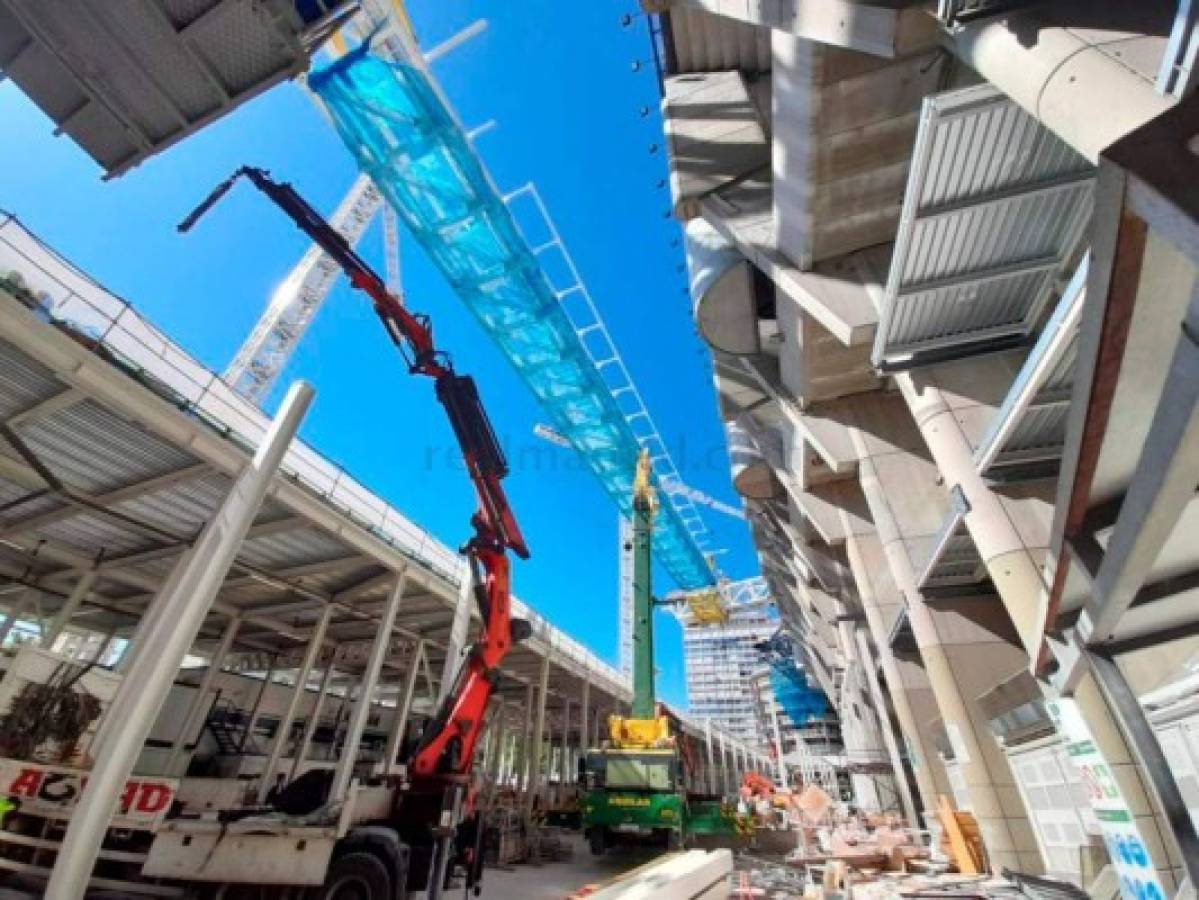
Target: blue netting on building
[[799, 700], [404, 137]]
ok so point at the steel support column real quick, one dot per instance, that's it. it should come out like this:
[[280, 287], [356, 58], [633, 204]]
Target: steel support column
[[456, 648], [283, 732], [370, 679], [535, 767], [523, 772], [395, 737], [197, 706], [314, 717], [198, 577]]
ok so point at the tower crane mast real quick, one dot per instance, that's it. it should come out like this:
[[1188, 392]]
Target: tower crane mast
[[296, 301]]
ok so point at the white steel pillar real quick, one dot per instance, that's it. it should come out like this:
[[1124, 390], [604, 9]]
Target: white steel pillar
[[197, 706], [523, 772], [403, 710], [535, 767], [564, 754], [314, 718], [456, 648], [585, 717], [144, 688], [283, 732], [69, 607], [370, 678], [256, 711]]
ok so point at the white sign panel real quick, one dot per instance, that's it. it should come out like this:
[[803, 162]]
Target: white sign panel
[[53, 792], [1138, 878]]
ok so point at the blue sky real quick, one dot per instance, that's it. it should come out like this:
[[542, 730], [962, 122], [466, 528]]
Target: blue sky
[[558, 79]]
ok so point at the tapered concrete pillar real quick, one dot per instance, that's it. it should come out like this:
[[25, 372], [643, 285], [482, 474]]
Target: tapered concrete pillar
[[314, 717], [199, 704], [710, 768], [370, 679], [882, 602], [1011, 557], [68, 609], [908, 507], [395, 737], [197, 578], [299, 689]]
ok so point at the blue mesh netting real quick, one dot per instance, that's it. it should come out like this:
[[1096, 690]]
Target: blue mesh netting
[[404, 137], [799, 700]]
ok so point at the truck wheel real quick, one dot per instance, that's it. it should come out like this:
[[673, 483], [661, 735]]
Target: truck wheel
[[598, 841], [355, 876]]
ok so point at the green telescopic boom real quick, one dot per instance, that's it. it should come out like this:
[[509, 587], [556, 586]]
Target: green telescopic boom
[[644, 507]]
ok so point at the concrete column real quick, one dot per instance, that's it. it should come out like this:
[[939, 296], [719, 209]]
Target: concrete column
[[778, 743], [68, 609], [279, 743], [456, 649], [314, 717], [370, 679], [199, 702], [1110, 739], [142, 692], [536, 766], [958, 657], [882, 603], [14, 613], [880, 702], [403, 710], [1006, 552]]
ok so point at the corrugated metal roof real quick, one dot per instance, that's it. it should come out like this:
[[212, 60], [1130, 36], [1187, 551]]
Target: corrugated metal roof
[[127, 78], [995, 206]]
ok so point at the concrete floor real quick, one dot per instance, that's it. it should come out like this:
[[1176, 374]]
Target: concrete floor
[[557, 880]]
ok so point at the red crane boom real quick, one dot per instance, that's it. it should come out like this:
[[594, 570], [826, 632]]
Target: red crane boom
[[449, 741]]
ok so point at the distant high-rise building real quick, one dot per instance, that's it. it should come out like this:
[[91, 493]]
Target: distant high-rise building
[[720, 661]]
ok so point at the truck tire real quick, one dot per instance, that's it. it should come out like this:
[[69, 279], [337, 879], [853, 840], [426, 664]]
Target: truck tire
[[354, 876], [597, 838]]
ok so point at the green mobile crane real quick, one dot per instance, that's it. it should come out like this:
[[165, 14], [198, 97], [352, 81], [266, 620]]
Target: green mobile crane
[[634, 781]]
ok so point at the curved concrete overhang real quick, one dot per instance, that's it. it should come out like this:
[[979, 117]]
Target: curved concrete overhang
[[722, 288], [753, 474]]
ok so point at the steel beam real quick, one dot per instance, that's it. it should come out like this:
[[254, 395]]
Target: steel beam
[[191, 721], [1161, 488], [395, 737]]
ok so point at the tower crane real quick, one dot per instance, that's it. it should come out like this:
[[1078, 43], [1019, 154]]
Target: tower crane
[[296, 301]]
